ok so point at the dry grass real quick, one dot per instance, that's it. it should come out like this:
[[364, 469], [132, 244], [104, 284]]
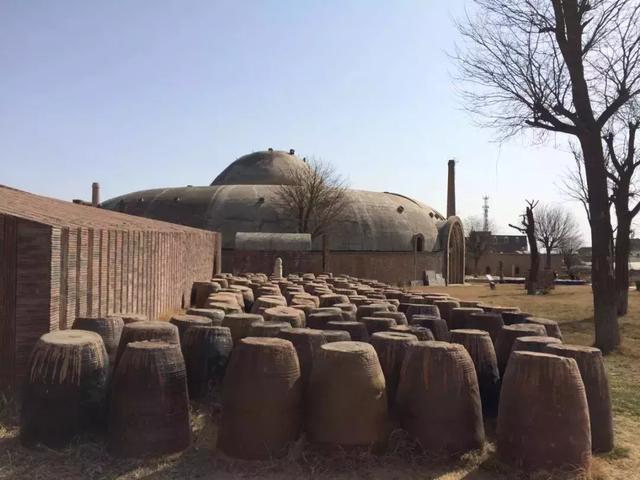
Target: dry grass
[[571, 306]]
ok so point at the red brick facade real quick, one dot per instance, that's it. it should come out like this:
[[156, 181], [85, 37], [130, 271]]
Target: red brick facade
[[59, 261]]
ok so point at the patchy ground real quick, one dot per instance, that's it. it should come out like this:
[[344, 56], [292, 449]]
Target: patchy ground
[[571, 306]]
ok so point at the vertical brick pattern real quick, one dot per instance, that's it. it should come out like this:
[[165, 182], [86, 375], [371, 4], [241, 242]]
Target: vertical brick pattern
[[54, 277], [82, 281], [93, 273], [111, 271], [117, 282], [63, 269], [59, 260], [71, 287], [103, 261], [33, 289], [62, 273], [8, 266]]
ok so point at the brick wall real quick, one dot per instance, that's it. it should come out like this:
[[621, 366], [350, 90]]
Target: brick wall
[[390, 267], [239, 261], [8, 265], [50, 275], [513, 264], [56, 269], [34, 312]]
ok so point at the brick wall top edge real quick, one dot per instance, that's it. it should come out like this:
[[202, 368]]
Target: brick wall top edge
[[59, 213]]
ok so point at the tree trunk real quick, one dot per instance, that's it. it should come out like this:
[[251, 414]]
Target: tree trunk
[[605, 298], [534, 270], [569, 38], [548, 259], [622, 261]]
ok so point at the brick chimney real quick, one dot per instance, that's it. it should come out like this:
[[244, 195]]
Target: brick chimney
[[451, 189], [95, 194]]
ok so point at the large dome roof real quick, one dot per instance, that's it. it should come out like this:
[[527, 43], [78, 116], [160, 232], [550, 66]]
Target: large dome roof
[[375, 221], [271, 167], [244, 198]]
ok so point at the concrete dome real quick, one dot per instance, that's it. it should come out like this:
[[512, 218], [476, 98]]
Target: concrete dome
[[271, 167], [373, 221], [243, 198]]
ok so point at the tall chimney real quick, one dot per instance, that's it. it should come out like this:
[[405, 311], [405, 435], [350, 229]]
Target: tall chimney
[[95, 194], [451, 189]]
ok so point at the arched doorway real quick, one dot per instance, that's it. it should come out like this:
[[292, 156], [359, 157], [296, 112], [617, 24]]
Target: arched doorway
[[455, 253]]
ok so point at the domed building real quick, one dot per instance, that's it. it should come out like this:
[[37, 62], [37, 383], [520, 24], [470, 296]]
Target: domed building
[[380, 235]]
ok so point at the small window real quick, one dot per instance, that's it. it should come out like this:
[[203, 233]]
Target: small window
[[517, 270], [420, 243]]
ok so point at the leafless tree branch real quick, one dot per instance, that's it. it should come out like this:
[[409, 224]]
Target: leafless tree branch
[[554, 227], [565, 66], [519, 60], [315, 197]]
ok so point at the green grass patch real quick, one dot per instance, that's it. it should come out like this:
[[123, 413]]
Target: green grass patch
[[624, 383], [618, 453]]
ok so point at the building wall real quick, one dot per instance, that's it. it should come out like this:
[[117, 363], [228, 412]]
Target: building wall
[[262, 261], [49, 275], [8, 284], [513, 264], [390, 267], [34, 312], [509, 243]]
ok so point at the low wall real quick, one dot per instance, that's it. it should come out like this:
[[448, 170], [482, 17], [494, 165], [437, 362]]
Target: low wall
[[262, 261], [513, 264], [389, 267]]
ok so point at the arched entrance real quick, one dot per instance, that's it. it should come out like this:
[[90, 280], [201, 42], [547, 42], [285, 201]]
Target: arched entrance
[[454, 257]]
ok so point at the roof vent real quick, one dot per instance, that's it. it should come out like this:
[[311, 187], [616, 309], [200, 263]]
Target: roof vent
[[400, 209], [291, 151], [270, 149]]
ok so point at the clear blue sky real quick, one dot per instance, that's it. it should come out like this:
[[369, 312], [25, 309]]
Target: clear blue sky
[[143, 94]]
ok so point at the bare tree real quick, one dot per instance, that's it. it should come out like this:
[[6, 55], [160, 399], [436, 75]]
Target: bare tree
[[528, 227], [315, 197], [478, 241], [554, 226], [574, 183], [564, 66], [623, 165], [624, 191], [569, 250]]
